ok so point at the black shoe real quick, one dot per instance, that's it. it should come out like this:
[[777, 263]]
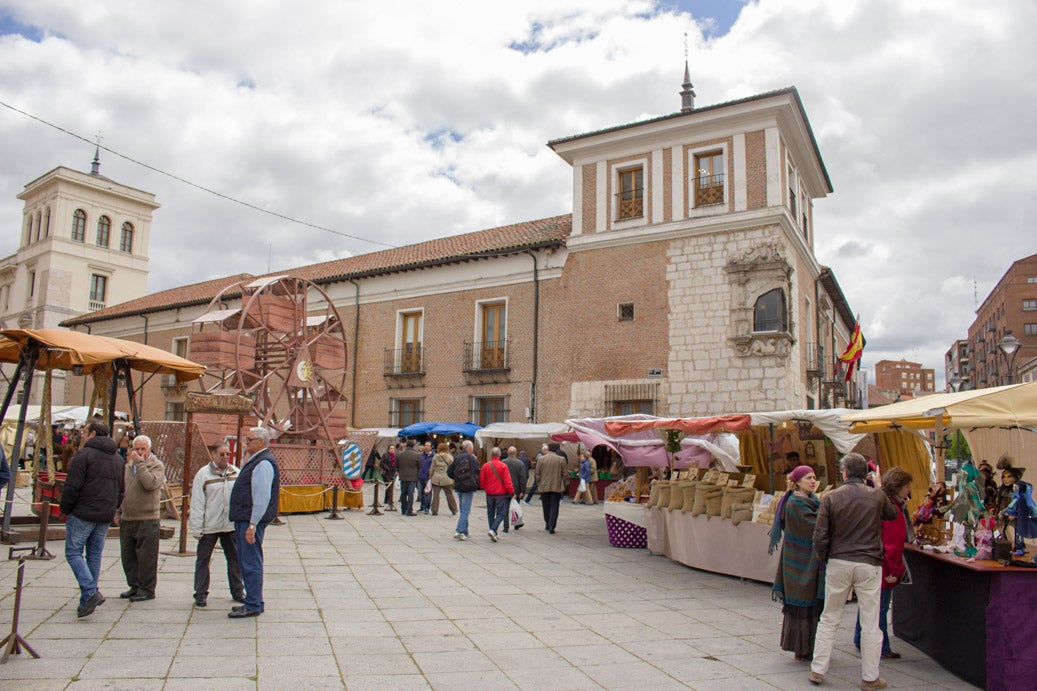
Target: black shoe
[[128, 594], [243, 613], [551, 531], [90, 605], [519, 526], [200, 601], [239, 597], [141, 597]]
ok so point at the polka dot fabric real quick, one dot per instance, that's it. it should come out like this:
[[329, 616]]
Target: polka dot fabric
[[625, 534]]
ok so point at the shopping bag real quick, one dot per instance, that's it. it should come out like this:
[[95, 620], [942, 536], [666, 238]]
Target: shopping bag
[[516, 512], [583, 485]]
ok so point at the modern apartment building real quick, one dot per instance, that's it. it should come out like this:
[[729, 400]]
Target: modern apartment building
[[905, 379], [1004, 333]]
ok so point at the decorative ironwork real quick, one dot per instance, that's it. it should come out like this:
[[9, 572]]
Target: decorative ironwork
[[709, 190], [482, 356], [406, 361], [630, 204]]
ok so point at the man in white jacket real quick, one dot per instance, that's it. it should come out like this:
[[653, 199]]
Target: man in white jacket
[[209, 522]]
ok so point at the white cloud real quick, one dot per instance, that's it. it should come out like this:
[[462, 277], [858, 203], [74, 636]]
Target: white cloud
[[404, 121]]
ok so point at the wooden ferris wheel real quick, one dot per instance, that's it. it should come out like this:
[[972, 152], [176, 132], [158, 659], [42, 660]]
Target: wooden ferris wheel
[[284, 346]]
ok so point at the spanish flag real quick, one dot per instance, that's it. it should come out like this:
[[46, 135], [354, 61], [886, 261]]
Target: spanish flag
[[852, 355]]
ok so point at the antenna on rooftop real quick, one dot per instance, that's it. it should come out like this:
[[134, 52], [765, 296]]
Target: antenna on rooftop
[[687, 90]]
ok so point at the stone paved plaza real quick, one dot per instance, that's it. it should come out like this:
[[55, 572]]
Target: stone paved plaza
[[392, 602]]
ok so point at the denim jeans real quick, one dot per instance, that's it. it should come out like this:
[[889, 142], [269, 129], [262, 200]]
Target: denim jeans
[[407, 488], [80, 535], [426, 497], [497, 509], [251, 558], [464, 499], [532, 491], [884, 599]]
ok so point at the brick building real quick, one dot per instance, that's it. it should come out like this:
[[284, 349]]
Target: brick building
[[903, 378], [1009, 310], [683, 283]]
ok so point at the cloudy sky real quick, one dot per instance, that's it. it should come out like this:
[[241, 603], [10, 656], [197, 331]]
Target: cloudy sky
[[394, 122]]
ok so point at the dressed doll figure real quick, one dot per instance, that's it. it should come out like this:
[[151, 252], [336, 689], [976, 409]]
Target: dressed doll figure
[[967, 505], [925, 531], [1023, 513]]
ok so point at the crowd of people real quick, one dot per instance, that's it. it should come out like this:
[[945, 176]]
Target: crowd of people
[[510, 479], [229, 506]]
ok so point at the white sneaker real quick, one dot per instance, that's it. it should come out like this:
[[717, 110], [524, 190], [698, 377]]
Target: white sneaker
[[526, 502], [458, 536], [463, 538], [493, 535]]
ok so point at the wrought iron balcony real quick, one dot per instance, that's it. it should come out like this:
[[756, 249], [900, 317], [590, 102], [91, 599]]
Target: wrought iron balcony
[[630, 204], [404, 362], [709, 190], [486, 356]]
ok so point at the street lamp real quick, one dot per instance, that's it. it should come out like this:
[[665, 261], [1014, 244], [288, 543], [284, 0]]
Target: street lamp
[[1009, 346]]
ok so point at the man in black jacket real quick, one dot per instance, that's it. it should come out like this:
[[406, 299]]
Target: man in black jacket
[[408, 465], [93, 491]]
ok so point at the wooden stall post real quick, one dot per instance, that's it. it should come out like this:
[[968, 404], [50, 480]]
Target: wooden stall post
[[203, 403], [14, 642]]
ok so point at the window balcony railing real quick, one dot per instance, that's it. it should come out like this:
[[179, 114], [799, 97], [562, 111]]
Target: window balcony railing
[[96, 305], [485, 356], [630, 204], [406, 361], [709, 190]]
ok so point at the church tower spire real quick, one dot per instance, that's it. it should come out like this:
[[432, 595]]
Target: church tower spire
[[688, 92]]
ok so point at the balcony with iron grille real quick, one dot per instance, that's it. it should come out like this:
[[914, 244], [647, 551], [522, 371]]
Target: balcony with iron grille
[[403, 366], [486, 360], [709, 190], [630, 204]]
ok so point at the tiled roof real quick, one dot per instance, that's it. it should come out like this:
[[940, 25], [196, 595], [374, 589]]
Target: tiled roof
[[544, 232]]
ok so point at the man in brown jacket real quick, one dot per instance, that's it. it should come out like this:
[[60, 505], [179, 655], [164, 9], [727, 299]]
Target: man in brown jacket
[[848, 538], [138, 522], [550, 478]]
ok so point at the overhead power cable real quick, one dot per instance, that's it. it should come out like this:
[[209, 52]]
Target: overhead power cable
[[193, 184]]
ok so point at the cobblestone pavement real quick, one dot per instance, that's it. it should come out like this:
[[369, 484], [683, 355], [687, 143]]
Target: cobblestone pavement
[[393, 602]]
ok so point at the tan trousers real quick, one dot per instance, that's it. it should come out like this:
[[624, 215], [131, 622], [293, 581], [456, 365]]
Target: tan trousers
[[450, 500], [866, 580]]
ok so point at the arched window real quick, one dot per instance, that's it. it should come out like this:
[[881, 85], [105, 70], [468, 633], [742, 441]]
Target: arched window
[[104, 230], [771, 312], [126, 239], [79, 225]]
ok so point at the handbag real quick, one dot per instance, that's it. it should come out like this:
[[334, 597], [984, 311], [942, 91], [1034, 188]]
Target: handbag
[[583, 485]]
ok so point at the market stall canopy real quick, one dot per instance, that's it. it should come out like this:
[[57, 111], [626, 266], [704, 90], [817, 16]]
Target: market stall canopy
[[519, 430], [1009, 406], [64, 349], [466, 429], [76, 414], [644, 447], [828, 420]]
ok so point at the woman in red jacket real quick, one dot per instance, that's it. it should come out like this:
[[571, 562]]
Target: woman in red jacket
[[896, 483]]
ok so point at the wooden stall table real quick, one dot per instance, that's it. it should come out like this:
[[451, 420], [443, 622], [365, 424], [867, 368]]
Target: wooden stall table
[[975, 619], [712, 543]]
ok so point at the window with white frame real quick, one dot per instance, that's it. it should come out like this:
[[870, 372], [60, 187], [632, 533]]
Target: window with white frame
[[98, 291], [708, 183], [405, 411], [410, 341], [486, 410], [1029, 305], [630, 199], [1030, 329], [104, 231], [79, 225]]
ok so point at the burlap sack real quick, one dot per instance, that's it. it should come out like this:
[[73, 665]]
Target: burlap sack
[[714, 500], [653, 494], [664, 494], [699, 507], [741, 512], [676, 495], [734, 495], [689, 494]]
